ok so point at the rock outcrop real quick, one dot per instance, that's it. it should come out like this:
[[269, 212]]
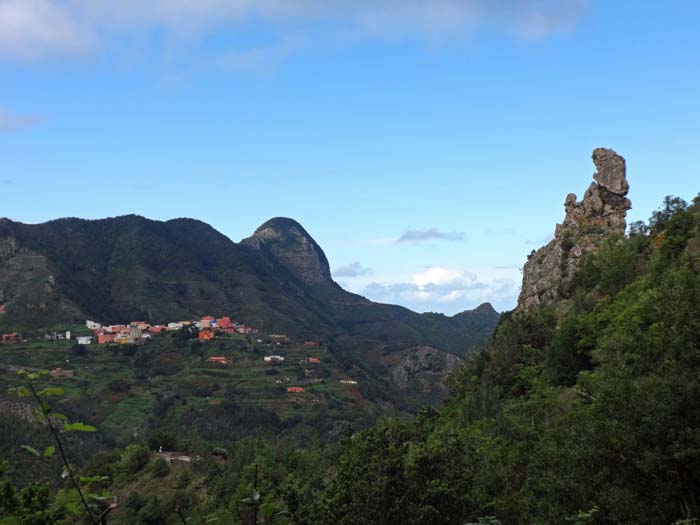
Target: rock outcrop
[[27, 285], [600, 215], [290, 244], [422, 366]]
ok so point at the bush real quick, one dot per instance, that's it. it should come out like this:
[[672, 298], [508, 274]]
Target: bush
[[160, 468], [162, 438], [135, 457]]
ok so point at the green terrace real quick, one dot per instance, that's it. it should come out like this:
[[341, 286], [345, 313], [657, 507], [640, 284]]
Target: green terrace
[[168, 383]]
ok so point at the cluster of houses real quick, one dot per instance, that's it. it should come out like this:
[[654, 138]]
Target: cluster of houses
[[139, 331]]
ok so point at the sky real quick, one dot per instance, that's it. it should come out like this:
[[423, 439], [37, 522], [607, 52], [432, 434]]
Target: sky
[[427, 146]]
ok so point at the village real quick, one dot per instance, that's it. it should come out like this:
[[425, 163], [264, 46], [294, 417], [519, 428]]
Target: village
[[204, 329], [139, 331]]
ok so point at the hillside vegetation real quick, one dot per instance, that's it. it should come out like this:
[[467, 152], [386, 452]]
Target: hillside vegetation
[[581, 411]]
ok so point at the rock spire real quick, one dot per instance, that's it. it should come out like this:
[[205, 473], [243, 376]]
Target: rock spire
[[600, 215]]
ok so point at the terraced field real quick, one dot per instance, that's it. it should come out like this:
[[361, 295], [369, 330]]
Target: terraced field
[[169, 385]]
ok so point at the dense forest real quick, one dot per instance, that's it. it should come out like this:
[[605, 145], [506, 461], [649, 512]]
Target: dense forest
[[585, 411]]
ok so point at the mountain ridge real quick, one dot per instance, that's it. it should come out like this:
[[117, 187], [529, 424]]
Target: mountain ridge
[[128, 267]]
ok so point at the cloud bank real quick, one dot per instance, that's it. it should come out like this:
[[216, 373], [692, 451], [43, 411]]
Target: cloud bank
[[451, 290], [31, 29]]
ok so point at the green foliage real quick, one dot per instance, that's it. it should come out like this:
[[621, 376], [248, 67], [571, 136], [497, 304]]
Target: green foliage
[[31, 505], [134, 458], [588, 407], [160, 468]]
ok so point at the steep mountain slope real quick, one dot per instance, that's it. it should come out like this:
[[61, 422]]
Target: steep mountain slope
[[125, 268]]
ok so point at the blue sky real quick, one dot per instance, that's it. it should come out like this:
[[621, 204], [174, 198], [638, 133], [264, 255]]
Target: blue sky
[[427, 146]]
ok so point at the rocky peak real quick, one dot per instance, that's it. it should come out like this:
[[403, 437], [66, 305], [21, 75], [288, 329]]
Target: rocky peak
[[485, 308], [291, 245], [8, 247], [600, 215]]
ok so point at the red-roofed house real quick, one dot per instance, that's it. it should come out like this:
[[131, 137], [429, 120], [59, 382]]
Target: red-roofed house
[[105, 338], [295, 389], [11, 339], [311, 344], [314, 360], [2, 309], [224, 322], [219, 360]]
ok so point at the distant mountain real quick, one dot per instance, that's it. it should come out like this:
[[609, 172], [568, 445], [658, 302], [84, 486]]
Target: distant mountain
[[132, 268]]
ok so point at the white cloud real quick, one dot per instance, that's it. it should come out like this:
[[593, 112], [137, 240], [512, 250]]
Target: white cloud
[[13, 122], [440, 276], [450, 290], [34, 28]]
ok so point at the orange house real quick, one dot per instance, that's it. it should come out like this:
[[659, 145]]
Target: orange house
[[295, 389], [206, 335]]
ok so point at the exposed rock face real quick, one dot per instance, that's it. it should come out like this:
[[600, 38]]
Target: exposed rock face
[[600, 215], [8, 247], [288, 242], [424, 365], [26, 282]]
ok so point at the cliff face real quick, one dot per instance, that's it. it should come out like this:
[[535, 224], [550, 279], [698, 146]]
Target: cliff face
[[27, 284], [599, 216]]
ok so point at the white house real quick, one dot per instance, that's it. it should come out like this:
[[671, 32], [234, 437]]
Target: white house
[[274, 358], [84, 340], [92, 325]]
